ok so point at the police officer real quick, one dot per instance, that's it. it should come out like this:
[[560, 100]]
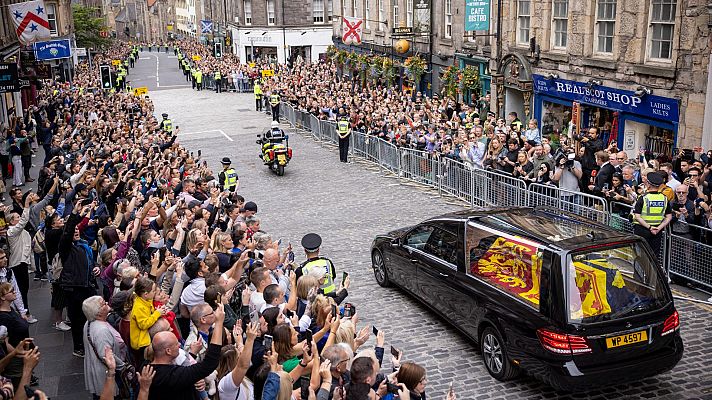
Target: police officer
[[274, 104], [218, 81], [166, 125], [199, 79], [228, 179], [344, 133], [652, 213], [258, 95], [129, 89], [311, 243]]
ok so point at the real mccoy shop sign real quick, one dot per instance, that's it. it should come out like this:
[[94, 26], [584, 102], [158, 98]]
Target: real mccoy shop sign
[[650, 106]]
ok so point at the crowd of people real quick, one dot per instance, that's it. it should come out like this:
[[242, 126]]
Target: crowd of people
[[171, 285]]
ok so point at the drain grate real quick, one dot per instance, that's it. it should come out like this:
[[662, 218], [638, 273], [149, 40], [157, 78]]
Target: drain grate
[[243, 109], [249, 127]]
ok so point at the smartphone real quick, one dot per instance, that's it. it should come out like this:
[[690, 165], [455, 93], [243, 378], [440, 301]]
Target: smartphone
[[308, 336], [392, 388], [289, 313], [200, 153], [334, 311], [268, 343], [375, 330], [251, 254], [290, 256], [349, 310], [343, 277], [304, 382], [254, 317], [395, 352], [29, 392]]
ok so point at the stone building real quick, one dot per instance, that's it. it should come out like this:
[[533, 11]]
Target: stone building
[[59, 15], [636, 69], [281, 30]]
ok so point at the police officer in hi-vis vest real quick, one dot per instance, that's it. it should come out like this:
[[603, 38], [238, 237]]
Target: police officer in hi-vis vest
[[652, 213], [321, 265], [228, 179], [344, 132], [257, 88], [166, 125], [274, 103]]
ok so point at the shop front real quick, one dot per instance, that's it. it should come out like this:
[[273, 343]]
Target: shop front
[[481, 65], [635, 120]]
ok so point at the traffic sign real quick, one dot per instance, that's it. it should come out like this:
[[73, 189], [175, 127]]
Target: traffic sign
[[140, 90], [267, 73], [196, 58], [115, 62]]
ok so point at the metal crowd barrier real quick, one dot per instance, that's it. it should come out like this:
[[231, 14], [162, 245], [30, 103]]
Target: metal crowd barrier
[[687, 256]]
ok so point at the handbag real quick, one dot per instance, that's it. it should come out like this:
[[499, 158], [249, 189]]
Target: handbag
[[126, 378]]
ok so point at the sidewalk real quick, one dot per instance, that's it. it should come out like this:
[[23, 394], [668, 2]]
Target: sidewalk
[[61, 374]]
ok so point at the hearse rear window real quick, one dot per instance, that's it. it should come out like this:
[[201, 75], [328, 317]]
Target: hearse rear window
[[512, 265], [610, 283], [540, 224]]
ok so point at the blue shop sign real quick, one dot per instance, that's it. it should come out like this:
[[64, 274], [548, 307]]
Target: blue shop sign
[[649, 106], [53, 49]]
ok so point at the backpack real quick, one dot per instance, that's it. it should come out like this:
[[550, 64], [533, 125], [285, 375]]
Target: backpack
[[56, 268]]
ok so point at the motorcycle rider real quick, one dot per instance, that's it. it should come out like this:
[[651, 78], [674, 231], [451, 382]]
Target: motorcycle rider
[[274, 135]]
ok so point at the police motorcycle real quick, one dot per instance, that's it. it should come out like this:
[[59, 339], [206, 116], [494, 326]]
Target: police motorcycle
[[276, 152]]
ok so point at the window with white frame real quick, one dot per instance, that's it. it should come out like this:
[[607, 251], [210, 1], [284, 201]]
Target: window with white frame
[[448, 19], [605, 26], [271, 19], [318, 11], [329, 9], [409, 12], [395, 13], [662, 29], [52, 18], [368, 14], [523, 21], [560, 22], [354, 9], [381, 14], [248, 12]]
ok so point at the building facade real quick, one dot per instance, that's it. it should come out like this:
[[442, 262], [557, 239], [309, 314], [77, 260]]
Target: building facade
[[59, 15], [280, 30], [638, 70]]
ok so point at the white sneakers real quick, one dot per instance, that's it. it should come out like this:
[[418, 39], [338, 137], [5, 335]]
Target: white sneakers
[[30, 319], [61, 326]]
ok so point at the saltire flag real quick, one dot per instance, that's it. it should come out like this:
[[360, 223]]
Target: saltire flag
[[30, 18], [353, 30]]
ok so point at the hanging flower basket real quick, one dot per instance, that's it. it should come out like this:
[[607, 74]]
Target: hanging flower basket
[[415, 67], [471, 79], [451, 81]]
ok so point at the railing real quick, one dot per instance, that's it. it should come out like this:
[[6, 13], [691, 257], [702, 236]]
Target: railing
[[687, 256]]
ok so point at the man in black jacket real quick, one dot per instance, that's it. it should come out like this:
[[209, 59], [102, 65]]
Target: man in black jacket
[[592, 143], [77, 277], [604, 177], [176, 382]]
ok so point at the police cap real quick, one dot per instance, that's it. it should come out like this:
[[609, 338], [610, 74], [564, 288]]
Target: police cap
[[165, 115], [311, 242], [226, 161], [655, 178]]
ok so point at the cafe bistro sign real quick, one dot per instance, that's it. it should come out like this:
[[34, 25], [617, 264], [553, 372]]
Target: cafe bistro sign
[[656, 107]]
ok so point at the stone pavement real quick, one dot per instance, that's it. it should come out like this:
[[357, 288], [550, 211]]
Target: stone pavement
[[348, 204]]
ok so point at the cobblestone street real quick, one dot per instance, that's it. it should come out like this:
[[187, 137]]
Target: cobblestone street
[[348, 205]]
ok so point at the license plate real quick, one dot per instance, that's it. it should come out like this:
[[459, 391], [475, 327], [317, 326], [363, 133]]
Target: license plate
[[624, 340], [281, 157]]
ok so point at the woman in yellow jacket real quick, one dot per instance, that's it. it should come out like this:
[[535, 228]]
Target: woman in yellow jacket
[[143, 316]]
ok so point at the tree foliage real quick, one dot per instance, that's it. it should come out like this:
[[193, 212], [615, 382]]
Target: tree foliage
[[88, 27]]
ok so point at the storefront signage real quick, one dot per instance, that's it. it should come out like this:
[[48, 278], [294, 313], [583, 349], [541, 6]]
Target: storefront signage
[[53, 49], [8, 78], [477, 15], [422, 17], [402, 31], [650, 106]]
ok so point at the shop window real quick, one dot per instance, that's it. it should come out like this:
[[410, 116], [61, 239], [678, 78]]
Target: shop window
[[560, 22], [318, 11], [248, 12], [555, 119], [448, 19], [271, 19], [659, 141], [330, 9], [52, 18], [605, 26], [523, 21], [662, 29]]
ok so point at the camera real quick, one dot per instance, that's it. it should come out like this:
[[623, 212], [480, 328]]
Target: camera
[[569, 160]]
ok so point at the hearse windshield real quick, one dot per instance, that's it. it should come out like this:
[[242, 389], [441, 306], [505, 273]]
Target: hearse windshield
[[612, 281]]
